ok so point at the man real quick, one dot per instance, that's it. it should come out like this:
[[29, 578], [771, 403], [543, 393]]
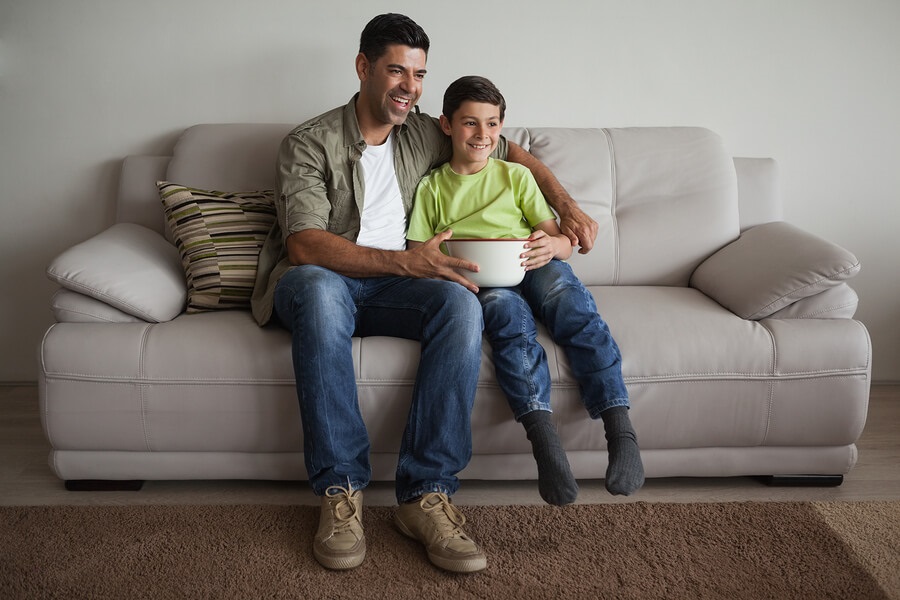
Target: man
[[335, 266]]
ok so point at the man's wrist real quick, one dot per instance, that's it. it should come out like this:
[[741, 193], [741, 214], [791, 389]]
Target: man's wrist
[[565, 206]]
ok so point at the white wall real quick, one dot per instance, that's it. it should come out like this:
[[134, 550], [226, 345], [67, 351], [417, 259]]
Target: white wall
[[813, 83]]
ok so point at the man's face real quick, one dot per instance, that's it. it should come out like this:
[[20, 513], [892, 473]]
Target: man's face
[[392, 85], [475, 130]]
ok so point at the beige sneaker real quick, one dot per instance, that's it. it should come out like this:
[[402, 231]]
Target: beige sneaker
[[438, 524], [339, 542]]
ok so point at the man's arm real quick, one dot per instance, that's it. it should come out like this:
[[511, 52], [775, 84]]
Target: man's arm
[[425, 260], [580, 228], [303, 207]]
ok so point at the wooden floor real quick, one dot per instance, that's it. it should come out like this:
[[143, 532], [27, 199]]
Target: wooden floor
[[25, 478]]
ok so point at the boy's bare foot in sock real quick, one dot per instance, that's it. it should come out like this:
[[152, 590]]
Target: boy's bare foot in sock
[[625, 473], [556, 483]]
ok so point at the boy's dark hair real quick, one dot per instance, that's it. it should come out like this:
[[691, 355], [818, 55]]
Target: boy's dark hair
[[475, 88], [388, 29]]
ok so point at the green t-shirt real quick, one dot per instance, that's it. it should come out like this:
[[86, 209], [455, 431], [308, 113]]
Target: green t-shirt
[[501, 201]]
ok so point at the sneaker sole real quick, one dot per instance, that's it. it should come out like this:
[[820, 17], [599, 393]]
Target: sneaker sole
[[466, 565], [339, 563]]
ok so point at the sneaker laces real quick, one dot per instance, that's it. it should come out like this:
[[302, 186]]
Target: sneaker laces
[[449, 518], [344, 509]]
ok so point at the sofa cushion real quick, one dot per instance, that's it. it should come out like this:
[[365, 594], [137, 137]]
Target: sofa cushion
[[72, 307], [128, 267], [219, 236], [771, 266]]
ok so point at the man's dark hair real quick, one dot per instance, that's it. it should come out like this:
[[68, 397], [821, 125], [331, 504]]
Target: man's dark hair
[[388, 29], [475, 88]]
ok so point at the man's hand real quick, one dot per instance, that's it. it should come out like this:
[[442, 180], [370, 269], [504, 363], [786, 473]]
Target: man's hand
[[426, 260], [580, 228]]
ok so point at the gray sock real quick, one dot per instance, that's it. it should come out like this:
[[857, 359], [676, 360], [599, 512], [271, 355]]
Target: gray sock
[[625, 473], [556, 483]]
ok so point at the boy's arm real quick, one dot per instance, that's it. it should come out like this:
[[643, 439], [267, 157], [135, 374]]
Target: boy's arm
[[574, 223]]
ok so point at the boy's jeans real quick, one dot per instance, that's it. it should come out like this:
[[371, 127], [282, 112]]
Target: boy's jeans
[[558, 298], [323, 310]]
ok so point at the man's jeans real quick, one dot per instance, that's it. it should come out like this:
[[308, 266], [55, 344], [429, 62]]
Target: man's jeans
[[323, 310], [567, 309]]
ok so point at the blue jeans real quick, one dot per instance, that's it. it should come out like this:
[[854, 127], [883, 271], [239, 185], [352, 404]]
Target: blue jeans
[[569, 312], [323, 310]]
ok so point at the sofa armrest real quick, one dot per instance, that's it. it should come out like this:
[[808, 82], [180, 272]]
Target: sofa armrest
[[128, 267], [771, 266]]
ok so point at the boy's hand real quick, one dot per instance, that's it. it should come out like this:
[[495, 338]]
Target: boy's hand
[[541, 248], [427, 261]]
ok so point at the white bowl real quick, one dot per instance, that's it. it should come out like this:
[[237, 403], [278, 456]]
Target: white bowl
[[497, 259]]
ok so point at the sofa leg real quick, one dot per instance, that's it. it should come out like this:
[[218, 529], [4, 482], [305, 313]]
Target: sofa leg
[[103, 485], [802, 480]]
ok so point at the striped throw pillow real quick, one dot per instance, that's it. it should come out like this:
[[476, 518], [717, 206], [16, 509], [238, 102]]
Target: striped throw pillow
[[219, 236]]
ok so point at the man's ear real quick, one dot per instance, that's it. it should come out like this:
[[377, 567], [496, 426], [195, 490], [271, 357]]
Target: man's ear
[[362, 66], [445, 124]]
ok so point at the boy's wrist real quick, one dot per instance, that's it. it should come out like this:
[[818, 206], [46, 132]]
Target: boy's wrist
[[562, 247]]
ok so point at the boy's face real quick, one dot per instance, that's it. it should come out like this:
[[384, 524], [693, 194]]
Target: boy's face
[[474, 130]]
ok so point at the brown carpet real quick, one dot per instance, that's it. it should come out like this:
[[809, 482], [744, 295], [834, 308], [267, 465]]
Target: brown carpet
[[641, 550]]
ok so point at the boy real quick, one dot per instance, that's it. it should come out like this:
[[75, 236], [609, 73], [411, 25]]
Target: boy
[[477, 196]]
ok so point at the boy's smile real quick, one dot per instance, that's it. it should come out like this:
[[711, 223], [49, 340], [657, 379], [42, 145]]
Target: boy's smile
[[474, 130]]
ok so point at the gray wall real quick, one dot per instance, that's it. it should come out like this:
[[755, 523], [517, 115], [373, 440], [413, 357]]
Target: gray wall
[[813, 83]]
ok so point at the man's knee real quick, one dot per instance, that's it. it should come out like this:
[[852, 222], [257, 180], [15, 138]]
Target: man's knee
[[457, 305], [308, 288]]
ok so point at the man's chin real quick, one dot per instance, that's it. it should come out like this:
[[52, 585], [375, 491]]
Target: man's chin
[[399, 117]]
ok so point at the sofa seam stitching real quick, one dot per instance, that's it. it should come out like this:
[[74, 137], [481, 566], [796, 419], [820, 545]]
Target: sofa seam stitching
[[613, 202], [794, 293], [142, 389], [825, 310]]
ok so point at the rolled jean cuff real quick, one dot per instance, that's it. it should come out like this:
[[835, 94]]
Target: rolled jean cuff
[[410, 495], [320, 488], [595, 411], [531, 407]]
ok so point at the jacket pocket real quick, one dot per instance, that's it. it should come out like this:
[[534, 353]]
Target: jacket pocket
[[343, 210]]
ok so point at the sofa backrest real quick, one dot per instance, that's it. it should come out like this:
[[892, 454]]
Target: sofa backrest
[[665, 197]]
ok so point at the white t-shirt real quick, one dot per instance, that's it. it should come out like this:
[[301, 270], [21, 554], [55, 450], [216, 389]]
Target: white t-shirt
[[383, 220]]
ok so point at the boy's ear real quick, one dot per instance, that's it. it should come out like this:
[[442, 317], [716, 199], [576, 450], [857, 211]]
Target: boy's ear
[[445, 124]]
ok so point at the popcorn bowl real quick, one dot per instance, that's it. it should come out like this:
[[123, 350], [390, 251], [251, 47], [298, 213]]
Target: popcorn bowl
[[497, 258]]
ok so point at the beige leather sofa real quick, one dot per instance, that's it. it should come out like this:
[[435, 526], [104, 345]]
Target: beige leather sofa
[[740, 352]]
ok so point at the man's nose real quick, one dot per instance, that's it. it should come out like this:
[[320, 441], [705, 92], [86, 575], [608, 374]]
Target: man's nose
[[410, 83]]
